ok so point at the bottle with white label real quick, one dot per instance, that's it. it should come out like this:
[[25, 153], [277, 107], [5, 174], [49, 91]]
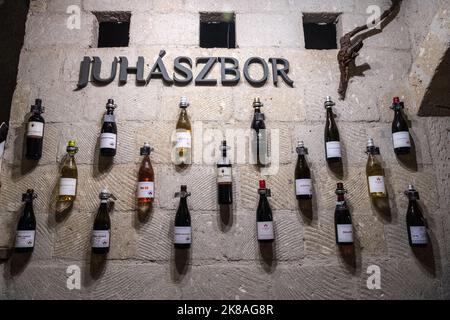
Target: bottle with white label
[[146, 184], [374, 172], [303, 182], [400, 130], [342, 219], [35, 132], [333, 151], [108, 136], [101, 233], [183, 136], [26, 229], [183, 230], [69, 175], [415, 222], [224, 178], [264, 218]]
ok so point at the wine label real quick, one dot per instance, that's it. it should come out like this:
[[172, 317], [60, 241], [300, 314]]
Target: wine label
[[183, 235], [67, 186], [333, 149], [183, 140], [100, 239], [35, 129], [303, 187], [376, 184], [25, 239], [146, 189], [109, 118], [345, 233], [418, 235], [401, 139], [108, 140], [224, 175], [265, 230]]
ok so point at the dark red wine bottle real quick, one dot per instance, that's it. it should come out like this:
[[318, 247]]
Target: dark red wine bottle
[[183, 229], [400, 130], [101, 233], [415, 222], [264, 219], [342, 218], [26, 229], [108, 137], [224, 178], [303, 182], [259, 147], [35, 132]]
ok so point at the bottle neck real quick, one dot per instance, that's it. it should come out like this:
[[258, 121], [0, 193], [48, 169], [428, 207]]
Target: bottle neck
[[340, 198], [28, 206], [183, 202]]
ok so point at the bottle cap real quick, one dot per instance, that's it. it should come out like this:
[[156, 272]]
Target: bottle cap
[[340, 188], [105, 195], [412, 193], [183, 192], [301, 148], [262, 184], [257, 103], [72, 147], [110, 104], [184, 102], [146, 149], [396, 100], [29, 195], [328, 103], [37, 106], [370, 143]]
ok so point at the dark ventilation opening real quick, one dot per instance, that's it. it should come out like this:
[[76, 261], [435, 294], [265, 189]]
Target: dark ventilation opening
[[320, 30], [13, 15], [113, 29], [217, 30]]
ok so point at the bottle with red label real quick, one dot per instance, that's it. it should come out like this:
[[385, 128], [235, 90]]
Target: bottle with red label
[[146, 184], [35, 132], [264, 218], [400, 131], [342, 219]]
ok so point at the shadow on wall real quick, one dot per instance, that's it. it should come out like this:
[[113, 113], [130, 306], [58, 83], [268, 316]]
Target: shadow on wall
[[13, 15]]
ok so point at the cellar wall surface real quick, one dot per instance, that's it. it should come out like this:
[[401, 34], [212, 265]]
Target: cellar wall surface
[[225, 262]]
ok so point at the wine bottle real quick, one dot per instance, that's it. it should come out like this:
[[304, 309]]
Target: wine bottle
[[264, 219], [415, 222], [26, 229], [101, 232], [332, 140], [183, 229], [3, 136], [146, 184], [35, 132], [374, 172], [69, 175], [183, 145], [108, 137], [400, 131], [303, 182], [259, 136], [224, 178], [342, 218]]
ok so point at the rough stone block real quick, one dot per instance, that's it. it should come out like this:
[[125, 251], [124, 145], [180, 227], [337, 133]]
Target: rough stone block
[[54, 30], [183, 30], [269, 30], [313, 282]]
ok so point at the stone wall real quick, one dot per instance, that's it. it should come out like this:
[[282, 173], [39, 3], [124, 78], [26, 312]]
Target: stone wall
[[225, 261]]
